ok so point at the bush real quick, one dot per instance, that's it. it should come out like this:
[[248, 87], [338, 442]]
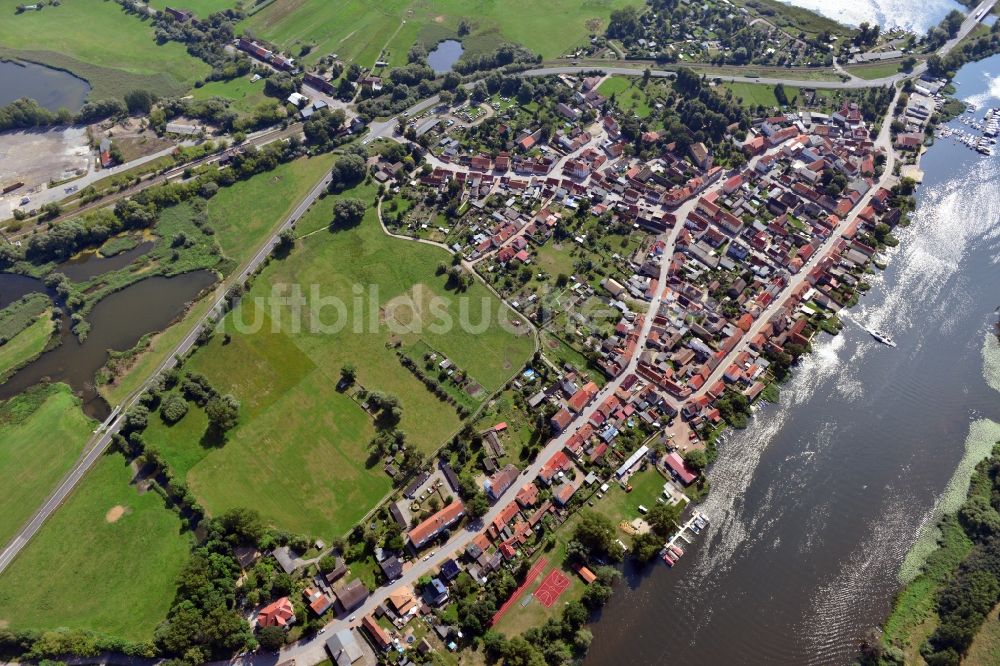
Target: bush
[[173, 409]]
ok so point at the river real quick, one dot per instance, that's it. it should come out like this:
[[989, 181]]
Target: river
[[815, 505], [51, 88], [118, 322], [918, 16]]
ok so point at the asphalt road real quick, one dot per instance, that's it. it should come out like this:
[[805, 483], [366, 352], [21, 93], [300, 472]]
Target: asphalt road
[[99, 443], [312, 650]]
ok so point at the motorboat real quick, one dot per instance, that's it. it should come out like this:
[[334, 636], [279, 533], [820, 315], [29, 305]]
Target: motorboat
[[881, 337], [669, 560]]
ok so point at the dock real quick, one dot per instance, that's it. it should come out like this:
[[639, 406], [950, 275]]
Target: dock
[[682, 534]]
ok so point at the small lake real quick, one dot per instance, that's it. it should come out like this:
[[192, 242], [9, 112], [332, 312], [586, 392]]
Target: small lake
[[89, 264], [117, 323], [51, 88], [445, 55]]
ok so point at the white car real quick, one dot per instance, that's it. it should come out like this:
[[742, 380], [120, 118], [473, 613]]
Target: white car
[[352, 618]]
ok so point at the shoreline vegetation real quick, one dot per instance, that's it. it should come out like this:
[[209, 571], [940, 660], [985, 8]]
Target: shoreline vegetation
[[938, 615], [164, 507]]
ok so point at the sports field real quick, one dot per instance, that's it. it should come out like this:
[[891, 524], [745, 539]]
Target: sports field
[[358, 30], [42, 433], [116, 52], [107, 560]]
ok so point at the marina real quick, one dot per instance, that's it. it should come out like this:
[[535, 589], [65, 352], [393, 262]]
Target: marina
[[987, 129]]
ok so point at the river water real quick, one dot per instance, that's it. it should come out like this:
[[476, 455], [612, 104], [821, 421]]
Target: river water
[[815, 505], [118, 322], [918, 16]]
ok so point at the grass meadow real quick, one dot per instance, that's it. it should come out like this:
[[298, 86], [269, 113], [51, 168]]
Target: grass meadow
[[26, 344], [116, 52], [299, 454], [358, 30], [242, 216], [107, 560], [42, 433]]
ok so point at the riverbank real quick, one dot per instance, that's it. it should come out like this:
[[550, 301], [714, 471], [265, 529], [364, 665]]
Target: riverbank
[[812, 513]]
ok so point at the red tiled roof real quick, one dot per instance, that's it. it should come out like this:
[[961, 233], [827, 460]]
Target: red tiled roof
[[430, 527]]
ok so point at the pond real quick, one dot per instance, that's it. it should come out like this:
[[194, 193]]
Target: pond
[[51, 88], [89, 264], [444, 55], [117, 323]]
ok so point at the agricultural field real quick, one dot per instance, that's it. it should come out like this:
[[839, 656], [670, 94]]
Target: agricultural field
[[107, 560], [116, 52], [358, 30], [318, 478], [42, 432]]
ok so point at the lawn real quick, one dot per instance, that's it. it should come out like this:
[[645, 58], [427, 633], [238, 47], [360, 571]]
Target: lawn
[[875, 71], [244, 95], [619, 505], [116, 52], [317, 478], [628, 93], [27, 344], [42, 432], [107, 560], [358, 30]]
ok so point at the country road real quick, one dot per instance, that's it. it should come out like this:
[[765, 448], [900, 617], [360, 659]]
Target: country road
[[99, 443], [312, 650]]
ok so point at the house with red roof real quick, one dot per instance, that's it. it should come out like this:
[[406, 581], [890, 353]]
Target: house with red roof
[[434, 525], [277, 614]]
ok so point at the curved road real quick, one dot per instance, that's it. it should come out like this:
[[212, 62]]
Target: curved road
[[312, 650]]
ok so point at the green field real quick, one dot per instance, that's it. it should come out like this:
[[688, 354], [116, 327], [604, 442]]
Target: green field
[[244, 95], [244, 214], [116, 52], [875, 71], [42, 432], [753, 94], [241, 226], [91, 568], [358, 30], [201, 8], [627, 93], [27, 344], [299, 454]]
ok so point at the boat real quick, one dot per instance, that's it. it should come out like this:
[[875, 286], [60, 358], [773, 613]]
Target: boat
[[694, 528], [676, 550], [670, 561], [881, 337]]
